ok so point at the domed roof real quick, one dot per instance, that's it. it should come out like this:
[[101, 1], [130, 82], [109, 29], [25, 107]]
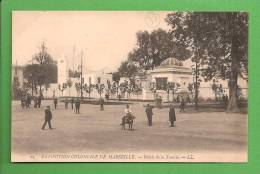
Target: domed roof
[[171, 62]]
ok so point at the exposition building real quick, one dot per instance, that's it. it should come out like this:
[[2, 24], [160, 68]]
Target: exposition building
[[154, 83]]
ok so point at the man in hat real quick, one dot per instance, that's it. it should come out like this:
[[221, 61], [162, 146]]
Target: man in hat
[[48, 117], [172, 116], [149, 113], [77, 105]]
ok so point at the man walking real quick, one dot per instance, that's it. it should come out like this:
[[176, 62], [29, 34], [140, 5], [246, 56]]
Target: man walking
[[149, 113], [77, 105], [48, 117], [172, 116]]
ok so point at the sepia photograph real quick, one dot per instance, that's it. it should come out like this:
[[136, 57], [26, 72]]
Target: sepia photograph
[[129, 86]]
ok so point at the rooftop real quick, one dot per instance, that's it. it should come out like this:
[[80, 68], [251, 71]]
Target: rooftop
[[171, 65]]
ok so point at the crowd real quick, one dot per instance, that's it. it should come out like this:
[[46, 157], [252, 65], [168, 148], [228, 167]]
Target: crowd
[[127, 118]]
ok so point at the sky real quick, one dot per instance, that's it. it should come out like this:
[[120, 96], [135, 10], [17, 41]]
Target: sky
[[105, 38]]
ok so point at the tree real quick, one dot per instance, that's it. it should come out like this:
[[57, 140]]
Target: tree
[[116, 77], [43, 71], [88, 89], [137, 89], [218, 42], [100, 89], [78, 87], [43, 57], [62, 87], [127, 69], [152, 48]]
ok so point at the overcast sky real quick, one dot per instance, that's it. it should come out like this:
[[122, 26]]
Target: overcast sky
[[105, 37]]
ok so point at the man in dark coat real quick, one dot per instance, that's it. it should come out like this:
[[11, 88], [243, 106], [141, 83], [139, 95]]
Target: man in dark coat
[[77, 105], [72, 103], [55, 101], [28, 102], [35, 102], [102, 104], [172, 116], [66, 103], [182, 105], [39, 101], [48, 117], [149, 113]]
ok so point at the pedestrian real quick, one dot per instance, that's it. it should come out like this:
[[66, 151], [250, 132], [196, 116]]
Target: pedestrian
[[149, 113], [172, 116], [39, 101], [66, 103], [28, 102], [48, 117], [72, 103], [77, 105], [35, 102], [102, 104], [182, 105], [55, 101]]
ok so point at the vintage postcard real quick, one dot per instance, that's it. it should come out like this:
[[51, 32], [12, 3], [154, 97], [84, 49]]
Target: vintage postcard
[[129, 86]]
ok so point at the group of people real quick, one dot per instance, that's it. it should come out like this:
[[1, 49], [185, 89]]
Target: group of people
[[37, 101], [48, 113], [73, 102], [125, 119], [149, 113], [26, 101]]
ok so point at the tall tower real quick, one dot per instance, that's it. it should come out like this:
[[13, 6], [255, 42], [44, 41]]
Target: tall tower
[[62, 70]]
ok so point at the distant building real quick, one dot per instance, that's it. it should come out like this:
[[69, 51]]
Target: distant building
[[88, 77], [17, 75], [172, 70]]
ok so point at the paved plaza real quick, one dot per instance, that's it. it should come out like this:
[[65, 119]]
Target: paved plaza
[[100, 131]]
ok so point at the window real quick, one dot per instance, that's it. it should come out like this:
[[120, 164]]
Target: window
[[161, 83], [98, 80]]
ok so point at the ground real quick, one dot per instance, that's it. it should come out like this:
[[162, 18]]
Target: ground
[[100, 131]]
